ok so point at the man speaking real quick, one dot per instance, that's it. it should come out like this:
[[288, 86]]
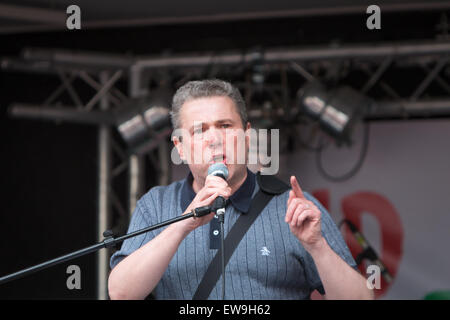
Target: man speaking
[[290, 249]]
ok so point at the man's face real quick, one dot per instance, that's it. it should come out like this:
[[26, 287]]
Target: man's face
[[212, 132]]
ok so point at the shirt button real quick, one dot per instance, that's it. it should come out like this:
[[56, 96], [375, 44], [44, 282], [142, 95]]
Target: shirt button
[[215, 232]]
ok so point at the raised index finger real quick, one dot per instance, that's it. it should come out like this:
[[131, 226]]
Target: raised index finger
[[296, 188]]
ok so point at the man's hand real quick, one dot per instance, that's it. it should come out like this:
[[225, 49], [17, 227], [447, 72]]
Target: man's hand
[[214, 187], [303, 218]]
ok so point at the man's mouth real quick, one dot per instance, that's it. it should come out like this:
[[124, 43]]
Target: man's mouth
[[218, 158]]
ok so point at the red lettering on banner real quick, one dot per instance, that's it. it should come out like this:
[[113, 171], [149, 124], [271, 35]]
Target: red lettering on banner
[[353, 206], [323, 196]]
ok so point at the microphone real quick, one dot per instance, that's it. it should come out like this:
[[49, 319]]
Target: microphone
[[368, 252], [218, 170]]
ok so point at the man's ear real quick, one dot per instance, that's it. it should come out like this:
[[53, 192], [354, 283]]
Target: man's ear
[[177, 141], [246, 130]]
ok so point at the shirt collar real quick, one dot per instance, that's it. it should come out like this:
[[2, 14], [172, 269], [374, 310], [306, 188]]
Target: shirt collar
[[241, 199]]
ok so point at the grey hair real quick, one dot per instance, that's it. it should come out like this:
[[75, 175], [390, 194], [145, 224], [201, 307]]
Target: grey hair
[[203, 89]]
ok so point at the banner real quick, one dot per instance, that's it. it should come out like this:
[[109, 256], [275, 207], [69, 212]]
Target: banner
[[399, 200]]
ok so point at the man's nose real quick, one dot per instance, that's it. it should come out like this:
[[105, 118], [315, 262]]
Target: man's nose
[[213, 137]]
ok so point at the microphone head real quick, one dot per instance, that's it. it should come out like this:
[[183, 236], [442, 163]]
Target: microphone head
[[218, 169]]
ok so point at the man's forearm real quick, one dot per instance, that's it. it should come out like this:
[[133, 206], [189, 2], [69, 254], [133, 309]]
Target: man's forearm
[[339, 280], [138, 274]]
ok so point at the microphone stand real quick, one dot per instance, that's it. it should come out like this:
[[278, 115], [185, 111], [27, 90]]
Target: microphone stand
[[368, 252], [108, 242]]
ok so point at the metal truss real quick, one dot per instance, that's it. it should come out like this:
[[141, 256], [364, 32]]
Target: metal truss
[[113, 159], [376, 62], [427, 96]]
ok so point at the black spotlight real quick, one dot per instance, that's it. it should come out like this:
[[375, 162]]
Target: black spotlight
[[337, 110], [144, 122]]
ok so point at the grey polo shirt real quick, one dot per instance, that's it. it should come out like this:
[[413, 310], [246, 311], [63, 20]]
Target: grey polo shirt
[[269, 263]]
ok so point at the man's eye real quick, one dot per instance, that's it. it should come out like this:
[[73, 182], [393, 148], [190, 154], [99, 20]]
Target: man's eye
[[225, 125]]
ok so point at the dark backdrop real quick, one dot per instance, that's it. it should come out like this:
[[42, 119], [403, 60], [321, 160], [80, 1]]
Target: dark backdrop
[[48, 205]]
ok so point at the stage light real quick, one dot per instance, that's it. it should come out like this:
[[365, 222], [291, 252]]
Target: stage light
[[337, 111], [144, 122], [313, 99]]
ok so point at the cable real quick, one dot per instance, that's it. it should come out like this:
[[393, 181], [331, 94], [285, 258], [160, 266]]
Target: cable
[[355, 169], [222, 245], [220, 214], [313, 125], [307, 147]]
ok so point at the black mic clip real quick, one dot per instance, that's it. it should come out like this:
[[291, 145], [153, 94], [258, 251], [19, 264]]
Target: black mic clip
[[109, 240], [201, 211], [219, 203], [219, 207], [368, 253]]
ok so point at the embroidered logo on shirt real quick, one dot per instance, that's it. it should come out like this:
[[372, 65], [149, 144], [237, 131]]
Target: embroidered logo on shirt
[[265, 251]]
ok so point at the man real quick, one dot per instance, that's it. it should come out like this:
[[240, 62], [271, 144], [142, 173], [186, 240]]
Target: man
[[292, 249]]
